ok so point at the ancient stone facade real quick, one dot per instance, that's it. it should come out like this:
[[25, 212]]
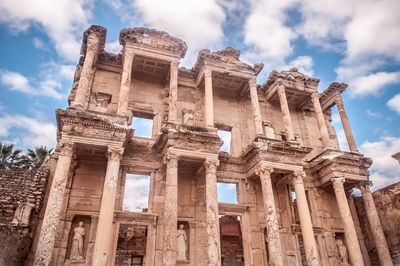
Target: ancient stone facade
[[291, 179]]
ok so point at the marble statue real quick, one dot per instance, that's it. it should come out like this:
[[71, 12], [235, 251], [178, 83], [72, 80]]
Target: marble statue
[[77, 242], [181, 245]]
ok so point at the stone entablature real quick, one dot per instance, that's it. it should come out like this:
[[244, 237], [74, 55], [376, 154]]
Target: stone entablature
[[291, 179]]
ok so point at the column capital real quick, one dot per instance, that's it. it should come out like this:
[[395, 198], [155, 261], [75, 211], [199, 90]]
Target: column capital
[[339, 101], [211, 165], [128, 52], [115, 154], [281, 89], [174, 64], [171, 160], [93, 41], [264, 171], [207, 72], [297, 177], [315, 95], [338, 182], [66, 149], [364, 187], [253, 82]]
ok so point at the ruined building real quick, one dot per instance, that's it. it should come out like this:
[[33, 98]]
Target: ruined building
[[292, 181]]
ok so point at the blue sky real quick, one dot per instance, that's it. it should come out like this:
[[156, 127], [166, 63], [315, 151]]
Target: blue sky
[[351, 41]]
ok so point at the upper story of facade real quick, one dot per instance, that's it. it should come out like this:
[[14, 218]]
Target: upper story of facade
[[220, 92]]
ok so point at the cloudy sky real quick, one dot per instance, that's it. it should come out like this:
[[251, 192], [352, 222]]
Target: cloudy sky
[[350, 41]]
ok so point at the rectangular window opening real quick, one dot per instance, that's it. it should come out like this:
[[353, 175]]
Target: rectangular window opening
[[136, 193], [143, 126], [227, 192], [226, 137]]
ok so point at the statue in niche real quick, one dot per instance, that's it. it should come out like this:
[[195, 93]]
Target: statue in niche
[[77, 242], [181, 245], [343, 258]]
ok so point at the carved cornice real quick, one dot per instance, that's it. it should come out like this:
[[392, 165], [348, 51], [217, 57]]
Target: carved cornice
[[85, 124], [292, 75], [153, 39], [228, 57]]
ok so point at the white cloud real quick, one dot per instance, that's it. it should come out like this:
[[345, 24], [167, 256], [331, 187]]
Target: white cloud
[[136, 192], [199, 23], [385, 169], [27, 132], [374, 29], [38, 44], [266, 32], [62, 20], [303, 63], [394, 103], [113, 47], [50, 84], [373, 84]]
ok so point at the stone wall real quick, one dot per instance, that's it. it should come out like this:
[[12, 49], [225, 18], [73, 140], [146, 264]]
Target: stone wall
[[21, 197], [387, 201]]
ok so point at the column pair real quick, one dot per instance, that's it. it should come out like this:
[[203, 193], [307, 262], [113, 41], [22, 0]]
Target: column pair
[[170, 216], [349, 229], [307, 230], [375, 225]]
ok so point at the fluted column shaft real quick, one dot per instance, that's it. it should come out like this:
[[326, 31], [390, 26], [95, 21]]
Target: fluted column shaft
[[321, 120], [173, 91], [170, 211], [274, 241], [348, 224], [256, 106], [208, 98], [53, 208], [104, 234], [286, 113], [92, 50], [345, 123], [307, 230], [213, 236], [123, 101], [376, 227]]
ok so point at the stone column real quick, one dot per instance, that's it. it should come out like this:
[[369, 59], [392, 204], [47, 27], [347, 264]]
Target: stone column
[[286, 113], [213, 236], [349, 228], [92, 50], [170, 211], [307, 230], [321, 120], [376, 228], [359, 232], [256, 106], [53, 208], [345, 123], [208, 95], [173, 91], [125, 81], [104, 235], [274, 241]]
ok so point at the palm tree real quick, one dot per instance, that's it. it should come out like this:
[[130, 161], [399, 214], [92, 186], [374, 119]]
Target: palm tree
[[38, 155], [9, 158]]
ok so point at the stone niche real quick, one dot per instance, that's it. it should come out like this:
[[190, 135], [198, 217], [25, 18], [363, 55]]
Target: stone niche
[[86, 221], [186, 231]]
